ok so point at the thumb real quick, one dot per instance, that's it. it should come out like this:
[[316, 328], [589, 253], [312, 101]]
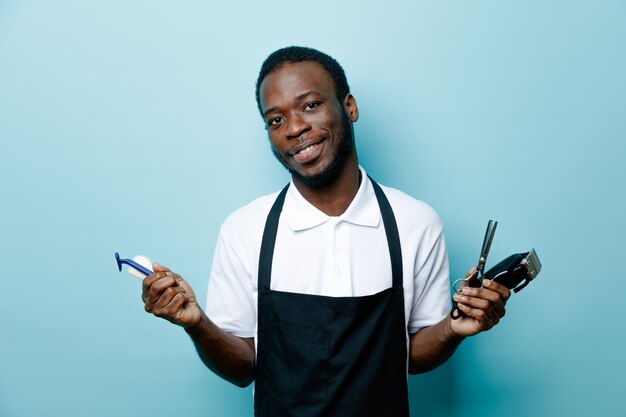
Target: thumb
[[156, 267]]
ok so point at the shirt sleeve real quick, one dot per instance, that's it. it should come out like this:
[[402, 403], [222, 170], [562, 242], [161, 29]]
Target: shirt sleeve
[[431, 301], [230, 300]]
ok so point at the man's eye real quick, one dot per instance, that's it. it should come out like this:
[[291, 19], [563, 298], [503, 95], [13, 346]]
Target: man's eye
[[274, 121], [311, 106]]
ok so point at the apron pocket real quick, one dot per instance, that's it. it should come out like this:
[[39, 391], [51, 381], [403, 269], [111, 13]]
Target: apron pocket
[[299, 361]]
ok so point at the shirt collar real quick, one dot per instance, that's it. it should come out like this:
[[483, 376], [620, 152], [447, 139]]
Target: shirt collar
[[363, 211]]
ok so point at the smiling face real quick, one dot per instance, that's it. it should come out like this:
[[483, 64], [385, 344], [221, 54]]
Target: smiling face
[[309, 128]]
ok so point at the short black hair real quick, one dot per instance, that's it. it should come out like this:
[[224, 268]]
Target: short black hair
[[293, 54]]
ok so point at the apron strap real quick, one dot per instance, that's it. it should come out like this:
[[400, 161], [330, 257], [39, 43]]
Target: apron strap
[[393, 237], [269, 241]]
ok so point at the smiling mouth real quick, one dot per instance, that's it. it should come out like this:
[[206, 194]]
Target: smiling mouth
[[307, 149], [307, 154]]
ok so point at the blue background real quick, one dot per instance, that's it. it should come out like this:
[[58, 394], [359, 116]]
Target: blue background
[[132, 127]]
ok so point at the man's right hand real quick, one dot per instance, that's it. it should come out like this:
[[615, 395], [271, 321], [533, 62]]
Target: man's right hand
[[167, 295]]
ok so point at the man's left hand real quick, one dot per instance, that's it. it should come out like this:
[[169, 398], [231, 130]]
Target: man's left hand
[[482, 307]]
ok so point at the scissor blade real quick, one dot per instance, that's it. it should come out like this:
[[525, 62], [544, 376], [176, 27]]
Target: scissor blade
[[491, 230], [489, 234]]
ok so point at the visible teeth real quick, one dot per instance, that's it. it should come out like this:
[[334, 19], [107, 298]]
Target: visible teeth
[[308, 148]]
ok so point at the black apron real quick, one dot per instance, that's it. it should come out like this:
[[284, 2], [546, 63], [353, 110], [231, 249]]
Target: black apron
[[331, 356]]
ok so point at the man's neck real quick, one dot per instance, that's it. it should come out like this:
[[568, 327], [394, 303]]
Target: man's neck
[[334, 199]]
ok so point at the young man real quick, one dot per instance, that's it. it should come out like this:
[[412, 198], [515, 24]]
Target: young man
[[326, 293]]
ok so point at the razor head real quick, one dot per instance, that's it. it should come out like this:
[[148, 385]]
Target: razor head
[[131, 263], [119, 263]]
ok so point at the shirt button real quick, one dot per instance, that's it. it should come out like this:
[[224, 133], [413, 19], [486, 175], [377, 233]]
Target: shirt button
[[338, 251], [338, 271]]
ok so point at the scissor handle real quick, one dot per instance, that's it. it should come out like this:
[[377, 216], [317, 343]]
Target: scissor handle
[[471, 281], [458, 283]]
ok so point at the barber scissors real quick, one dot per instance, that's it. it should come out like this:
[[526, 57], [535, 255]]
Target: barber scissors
[[476, 279]]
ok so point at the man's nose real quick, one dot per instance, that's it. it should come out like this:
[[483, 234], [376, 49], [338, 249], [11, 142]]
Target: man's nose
[[296, 126]]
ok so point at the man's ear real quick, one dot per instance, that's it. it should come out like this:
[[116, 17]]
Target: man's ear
[[349, 104]]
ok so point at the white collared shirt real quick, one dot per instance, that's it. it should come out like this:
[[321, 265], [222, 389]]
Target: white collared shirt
[[343, 256]]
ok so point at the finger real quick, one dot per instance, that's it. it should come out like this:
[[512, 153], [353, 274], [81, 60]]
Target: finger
[[178, 278], [504, 292], [475, 302], [156, 289], [494, 297], [482, 319], [173, 310], [156, 267], [149, 281], [167, 297], [159, 271], [479, 304], [181, 281], [175, 306], [155, 276], [470, 272]]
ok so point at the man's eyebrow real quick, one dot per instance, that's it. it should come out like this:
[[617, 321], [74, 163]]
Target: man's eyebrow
[[308, 93], [270, 110]]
